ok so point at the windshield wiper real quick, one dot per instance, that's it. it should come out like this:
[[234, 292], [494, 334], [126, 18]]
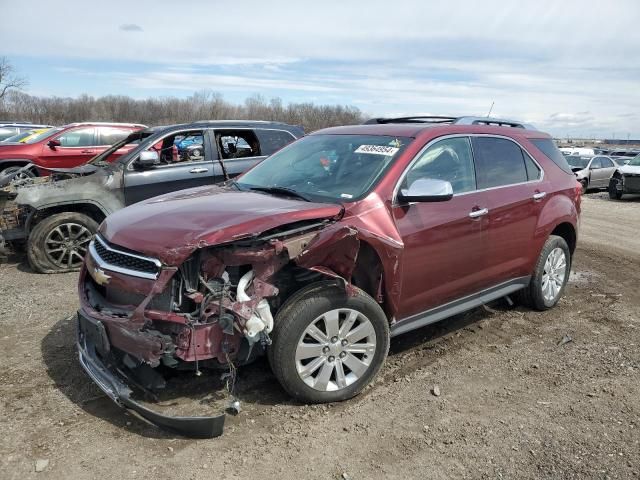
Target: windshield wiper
[[283, 190]]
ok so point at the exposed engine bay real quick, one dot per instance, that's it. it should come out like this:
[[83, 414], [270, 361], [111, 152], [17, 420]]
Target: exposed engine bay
[[216, 310]]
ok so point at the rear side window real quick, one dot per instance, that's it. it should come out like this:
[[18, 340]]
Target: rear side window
[[237, 144], [606, 163], [109, 136], [546, 146], [273, 140], [498, 162]]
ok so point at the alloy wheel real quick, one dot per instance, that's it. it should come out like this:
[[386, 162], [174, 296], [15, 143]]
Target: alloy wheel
[[554, 274], [66, 245], [335, 350]]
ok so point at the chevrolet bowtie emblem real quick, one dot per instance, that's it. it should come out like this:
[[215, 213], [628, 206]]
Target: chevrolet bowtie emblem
[[99, 276]]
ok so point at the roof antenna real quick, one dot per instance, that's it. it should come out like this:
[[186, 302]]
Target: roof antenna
[[491, 109]]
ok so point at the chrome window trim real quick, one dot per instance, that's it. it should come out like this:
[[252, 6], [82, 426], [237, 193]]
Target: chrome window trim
[[114, 268], [469, 136]]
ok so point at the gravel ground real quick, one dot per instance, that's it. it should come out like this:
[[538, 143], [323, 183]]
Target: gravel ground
[[515, 401]]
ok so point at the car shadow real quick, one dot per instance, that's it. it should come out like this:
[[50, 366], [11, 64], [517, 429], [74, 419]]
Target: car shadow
[[255, 385], [15, 259]]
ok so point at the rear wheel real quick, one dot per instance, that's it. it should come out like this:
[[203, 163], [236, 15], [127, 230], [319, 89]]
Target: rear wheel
[[585, 185], [59, 243], [327, 345], [550, 275]]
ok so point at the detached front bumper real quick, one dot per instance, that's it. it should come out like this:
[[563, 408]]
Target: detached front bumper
[[93, 346]]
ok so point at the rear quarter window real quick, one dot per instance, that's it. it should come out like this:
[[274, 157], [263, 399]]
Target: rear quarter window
[[549, 149]]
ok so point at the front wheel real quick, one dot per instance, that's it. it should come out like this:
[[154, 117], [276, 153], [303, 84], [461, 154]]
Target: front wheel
[[327, 345], [58, 243], [550, 275], [614, 193]]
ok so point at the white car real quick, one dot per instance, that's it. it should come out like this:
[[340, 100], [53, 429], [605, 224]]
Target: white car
[[592, 171], [625, 179]]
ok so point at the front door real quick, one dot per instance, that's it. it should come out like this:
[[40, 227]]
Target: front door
[[443, 241], [77, 147]]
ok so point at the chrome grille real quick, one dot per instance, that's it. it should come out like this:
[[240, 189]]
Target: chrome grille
[[116, 260]]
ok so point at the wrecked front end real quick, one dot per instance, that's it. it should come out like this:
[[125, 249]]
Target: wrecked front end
[[139, 316]]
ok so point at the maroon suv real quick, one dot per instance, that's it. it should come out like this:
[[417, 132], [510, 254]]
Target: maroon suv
[[320, 254], [65, 147]]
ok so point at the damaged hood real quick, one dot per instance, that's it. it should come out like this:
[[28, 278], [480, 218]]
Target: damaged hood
[[629, 170], [172, 226]]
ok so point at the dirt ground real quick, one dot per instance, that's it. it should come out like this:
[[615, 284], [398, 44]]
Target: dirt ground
[[515, 400]]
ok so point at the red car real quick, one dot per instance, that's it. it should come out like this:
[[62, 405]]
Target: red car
[[65, 147], [323, 252]]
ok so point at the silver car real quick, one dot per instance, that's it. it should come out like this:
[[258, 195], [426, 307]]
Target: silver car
[[593, 172]]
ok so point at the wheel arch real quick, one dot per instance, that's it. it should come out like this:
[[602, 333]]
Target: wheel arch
[[91, 209], [566, 231], [14, 162]]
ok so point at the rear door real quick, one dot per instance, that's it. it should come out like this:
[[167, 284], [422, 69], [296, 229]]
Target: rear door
[[77, 147], [176, 171], [516, 193]]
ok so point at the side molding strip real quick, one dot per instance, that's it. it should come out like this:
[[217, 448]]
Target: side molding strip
[[458, 306]]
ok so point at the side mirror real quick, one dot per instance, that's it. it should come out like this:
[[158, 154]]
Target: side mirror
[[427, 190], [148, 159], [52, 144]]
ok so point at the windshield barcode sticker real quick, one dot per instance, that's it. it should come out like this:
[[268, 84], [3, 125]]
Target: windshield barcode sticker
[[377, 150]]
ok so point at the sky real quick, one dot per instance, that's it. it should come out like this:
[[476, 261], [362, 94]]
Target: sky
[[571, 68]]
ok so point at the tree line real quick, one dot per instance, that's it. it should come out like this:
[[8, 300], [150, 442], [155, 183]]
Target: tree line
[[20, 106]]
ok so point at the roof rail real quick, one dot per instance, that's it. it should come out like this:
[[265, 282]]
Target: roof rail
[[415, 119], [120, 124], [257, 122], [498, 122]]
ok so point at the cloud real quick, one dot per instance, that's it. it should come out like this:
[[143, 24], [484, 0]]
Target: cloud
[[543, 62], [130, 27]]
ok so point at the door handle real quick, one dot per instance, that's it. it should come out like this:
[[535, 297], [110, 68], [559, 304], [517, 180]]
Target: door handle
[[539, 195], [199, 170], [86, 151], [478, 213]]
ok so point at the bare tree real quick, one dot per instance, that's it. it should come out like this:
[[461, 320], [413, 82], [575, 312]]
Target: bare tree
[[8, 80], [203, 105]]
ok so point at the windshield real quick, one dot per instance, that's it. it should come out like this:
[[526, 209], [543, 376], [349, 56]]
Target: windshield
[[635, 161], [577, 161], [327, 167], [44, 135]]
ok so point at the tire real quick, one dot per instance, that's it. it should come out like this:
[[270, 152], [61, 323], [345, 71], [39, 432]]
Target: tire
[[60, 229], [585, 185], [534, 295], [614, 193], [363, 357]]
